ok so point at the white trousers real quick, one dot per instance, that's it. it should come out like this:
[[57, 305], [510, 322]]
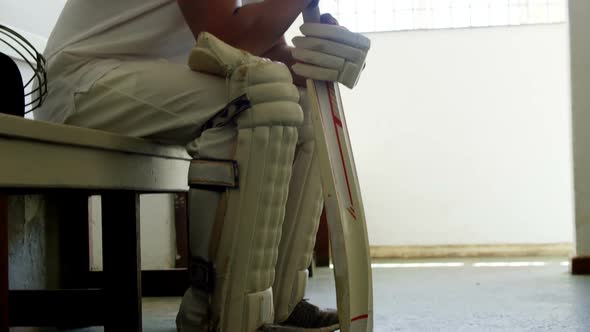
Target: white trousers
[[157, 100]]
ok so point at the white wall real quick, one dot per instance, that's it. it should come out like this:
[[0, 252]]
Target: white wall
[[34, 16], [462, 136], [157, 232]]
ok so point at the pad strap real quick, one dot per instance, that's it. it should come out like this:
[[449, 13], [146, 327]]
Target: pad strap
[[202, 274], [215, 175], [228, 113]]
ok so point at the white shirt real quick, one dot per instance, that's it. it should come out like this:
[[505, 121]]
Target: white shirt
[[115, 28], [92, 37]]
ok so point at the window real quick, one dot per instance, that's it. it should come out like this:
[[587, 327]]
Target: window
[[395, 15]]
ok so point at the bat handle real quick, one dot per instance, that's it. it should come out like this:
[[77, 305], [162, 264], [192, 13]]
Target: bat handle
[[312, 14]]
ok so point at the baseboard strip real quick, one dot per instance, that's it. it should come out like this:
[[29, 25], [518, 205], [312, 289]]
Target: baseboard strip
[[454, 251]]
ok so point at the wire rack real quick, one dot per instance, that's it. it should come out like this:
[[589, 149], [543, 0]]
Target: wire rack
[[396, 15], [36, 85]]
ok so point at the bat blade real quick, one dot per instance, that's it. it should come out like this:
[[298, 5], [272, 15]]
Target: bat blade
[[344, 208]]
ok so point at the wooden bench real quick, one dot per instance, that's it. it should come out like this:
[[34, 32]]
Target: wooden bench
[[39, 158]]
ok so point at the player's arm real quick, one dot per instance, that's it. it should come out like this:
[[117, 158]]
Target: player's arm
[[255, 28]]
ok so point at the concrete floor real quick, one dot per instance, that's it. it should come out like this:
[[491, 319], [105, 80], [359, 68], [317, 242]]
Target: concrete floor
[[459, 298], [468, 298]]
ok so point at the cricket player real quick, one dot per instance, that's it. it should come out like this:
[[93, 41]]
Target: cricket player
[[121, 66]]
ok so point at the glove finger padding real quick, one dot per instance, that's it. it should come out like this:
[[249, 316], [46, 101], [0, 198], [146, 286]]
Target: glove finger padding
[[330, 47], [318, 58], [316, 73], [336, 33], [330, 53]]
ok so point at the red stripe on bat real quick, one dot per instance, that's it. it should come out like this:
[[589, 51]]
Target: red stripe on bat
[[338, 122], [352, 212], [359, 318]]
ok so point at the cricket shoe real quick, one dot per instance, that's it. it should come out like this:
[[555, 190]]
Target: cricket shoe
[[307, 317]]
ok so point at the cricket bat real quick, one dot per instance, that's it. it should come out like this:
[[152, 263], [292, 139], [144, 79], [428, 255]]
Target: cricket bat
[[343, 202]]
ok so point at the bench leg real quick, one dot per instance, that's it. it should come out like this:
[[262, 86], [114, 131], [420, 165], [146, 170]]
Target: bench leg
[[3, 263], [121, 261], [181, 226], [74, 244]]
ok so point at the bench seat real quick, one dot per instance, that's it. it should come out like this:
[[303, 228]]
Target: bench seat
[[41, 157]]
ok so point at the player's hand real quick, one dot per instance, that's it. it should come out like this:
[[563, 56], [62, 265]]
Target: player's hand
[[329, 52]]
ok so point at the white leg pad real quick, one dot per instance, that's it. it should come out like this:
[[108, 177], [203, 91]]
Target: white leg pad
[[251, 230], [304, 207], [248, 234]]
